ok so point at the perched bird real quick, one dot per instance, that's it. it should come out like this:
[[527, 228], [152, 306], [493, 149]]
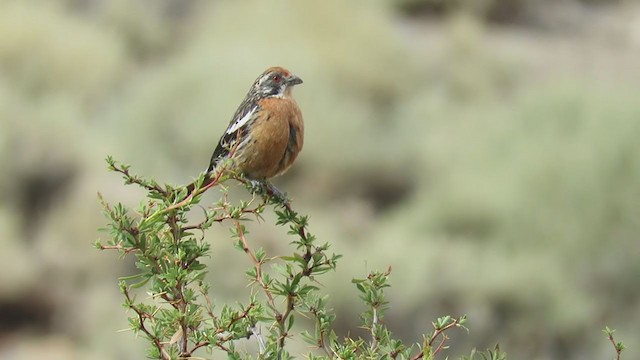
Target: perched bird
[[266, 133]]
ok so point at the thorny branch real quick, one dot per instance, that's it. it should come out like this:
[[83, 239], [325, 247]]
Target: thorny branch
[[142, 317], [438, 332], [168, 254], [134, 179]]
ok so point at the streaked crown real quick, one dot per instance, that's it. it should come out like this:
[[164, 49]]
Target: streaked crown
[[275, 81]]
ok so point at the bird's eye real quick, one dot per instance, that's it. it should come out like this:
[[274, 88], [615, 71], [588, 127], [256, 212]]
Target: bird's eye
[[276, 78]]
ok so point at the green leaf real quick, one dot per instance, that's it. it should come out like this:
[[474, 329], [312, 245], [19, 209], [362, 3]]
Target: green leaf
[[290, 322], [130, 277], [140, 284]]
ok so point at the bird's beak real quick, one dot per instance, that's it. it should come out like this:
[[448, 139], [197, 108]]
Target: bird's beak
[[294, 80]]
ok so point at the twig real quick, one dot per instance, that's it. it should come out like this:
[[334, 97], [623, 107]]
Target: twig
[[436, 333], [220, 330], [117, 247], [279, 317], [141, 318], [616, 346], [195, 192], [216, 179], [124, 170], [441, 345], [374, 325], [219, 219], [258, 266]]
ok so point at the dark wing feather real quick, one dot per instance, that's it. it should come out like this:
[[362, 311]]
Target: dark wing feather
[[293, 138], [230, 138]]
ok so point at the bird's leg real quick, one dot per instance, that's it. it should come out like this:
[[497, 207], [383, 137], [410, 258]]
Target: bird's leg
[[274, 192], [264, 187]]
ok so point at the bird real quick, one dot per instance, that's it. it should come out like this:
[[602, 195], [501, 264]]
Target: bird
[[265, 134]]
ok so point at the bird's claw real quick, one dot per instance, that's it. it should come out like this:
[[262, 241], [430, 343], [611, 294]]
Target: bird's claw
[[267, 189], [256, 186]]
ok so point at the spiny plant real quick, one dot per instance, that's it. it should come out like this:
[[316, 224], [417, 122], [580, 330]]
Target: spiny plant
[[182, 319]]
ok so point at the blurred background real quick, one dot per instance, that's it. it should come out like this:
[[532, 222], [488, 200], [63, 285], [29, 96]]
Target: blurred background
[[486, 150]]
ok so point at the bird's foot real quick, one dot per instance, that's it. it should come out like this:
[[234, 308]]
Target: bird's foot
[[267, 189], [256, 187]]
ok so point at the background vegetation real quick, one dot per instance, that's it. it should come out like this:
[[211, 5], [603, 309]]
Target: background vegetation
[[487, 152]]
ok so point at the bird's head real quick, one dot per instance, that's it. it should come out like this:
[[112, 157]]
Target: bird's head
[[275, 81]]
